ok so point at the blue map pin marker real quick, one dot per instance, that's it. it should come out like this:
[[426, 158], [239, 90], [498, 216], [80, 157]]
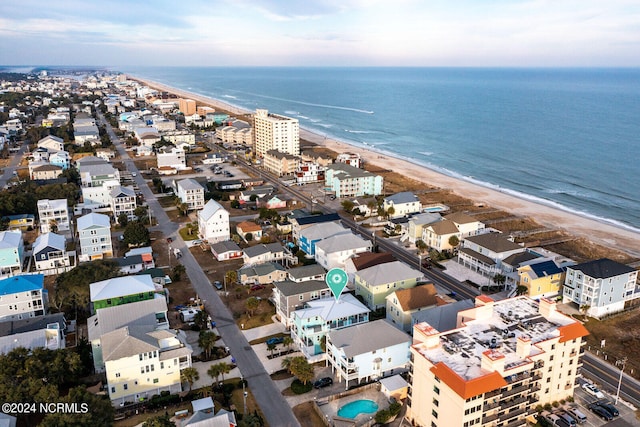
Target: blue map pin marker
[[337, 279]]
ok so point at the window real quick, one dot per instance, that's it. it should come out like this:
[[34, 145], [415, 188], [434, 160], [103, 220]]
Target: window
[[435, 402], [436, 390], [434, 413], [117, 374], [155, 380], [126, 386], [113, 389]]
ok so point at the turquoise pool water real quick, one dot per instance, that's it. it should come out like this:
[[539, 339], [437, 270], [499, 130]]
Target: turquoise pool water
[[353, 409]]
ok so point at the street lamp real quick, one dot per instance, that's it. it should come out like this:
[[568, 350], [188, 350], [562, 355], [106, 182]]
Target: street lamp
[[169, 254], [622, 361], [244, 395]]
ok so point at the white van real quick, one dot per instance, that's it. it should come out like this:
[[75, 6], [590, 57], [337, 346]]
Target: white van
[[579, 416]]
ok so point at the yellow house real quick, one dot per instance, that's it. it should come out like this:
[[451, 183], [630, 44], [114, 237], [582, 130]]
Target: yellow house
[[140, 363], [541, 279]]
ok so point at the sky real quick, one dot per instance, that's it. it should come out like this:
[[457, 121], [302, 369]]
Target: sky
[[483, 33]]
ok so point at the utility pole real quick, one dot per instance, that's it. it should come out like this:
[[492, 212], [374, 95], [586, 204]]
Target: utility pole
[[622, 361]]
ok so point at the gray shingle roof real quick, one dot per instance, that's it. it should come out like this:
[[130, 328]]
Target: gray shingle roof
[[289, 288], [367, 337], [306, 271], [496, 242], [400, 198], [603, 268]]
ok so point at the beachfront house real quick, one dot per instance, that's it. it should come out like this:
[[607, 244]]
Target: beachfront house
[[279, 163], [438, 235], [403, 204], [542, 279], [375, 283], [600, 287], [417, 223], [367, 352], [310, 325], [484, 253], [348, 181]]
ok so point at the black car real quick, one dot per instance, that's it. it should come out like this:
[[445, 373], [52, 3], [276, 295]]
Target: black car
[[609, 407], [601, 412], [323, 382]]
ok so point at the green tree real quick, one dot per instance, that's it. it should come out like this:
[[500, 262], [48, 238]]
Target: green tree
[[299, 367], [123, 219], [271, 347], [207, 342], [391, 211], [421, 246], [454, 241], [252, 305], [177, 271], [225, 368], [136, 234], [499, 279], [72, 287], [100, 411], [201, 319], [287, 342], [232, 276], [522, 290], [347, 205], [214, 372], [248, 237], [189, 375]]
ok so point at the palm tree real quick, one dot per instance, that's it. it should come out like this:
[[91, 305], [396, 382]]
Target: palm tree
[[214, 371], [288, 341], [207, 342], [189, 375], [499, 279], [286, 363], [271, 347], [225, 368], [421, 245], [252, 304]]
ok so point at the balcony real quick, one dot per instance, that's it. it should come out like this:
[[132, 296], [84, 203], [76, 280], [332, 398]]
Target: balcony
[[490, 406], [512, 414], [511, 403], [515, 390], [489, 418], [515, 423]]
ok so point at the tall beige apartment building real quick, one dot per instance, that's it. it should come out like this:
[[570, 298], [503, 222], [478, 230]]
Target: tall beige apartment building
[[275, 132], [504, 359], [187, 106]]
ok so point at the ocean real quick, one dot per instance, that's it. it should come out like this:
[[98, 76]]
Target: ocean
[[562, 137]]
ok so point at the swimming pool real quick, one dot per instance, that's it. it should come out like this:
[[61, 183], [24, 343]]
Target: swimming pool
[[353, 409]]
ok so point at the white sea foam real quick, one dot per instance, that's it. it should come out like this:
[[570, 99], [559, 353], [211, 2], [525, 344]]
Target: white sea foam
[[426, 153], [230, 96], [312, 104]]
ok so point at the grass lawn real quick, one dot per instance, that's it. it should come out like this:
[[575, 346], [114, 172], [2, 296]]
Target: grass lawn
[[184, 233]]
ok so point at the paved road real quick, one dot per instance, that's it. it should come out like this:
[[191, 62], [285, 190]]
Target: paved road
[[274, 407], [7, 173], [608, 376]]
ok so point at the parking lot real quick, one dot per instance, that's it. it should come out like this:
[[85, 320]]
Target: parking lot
[[582, 401]]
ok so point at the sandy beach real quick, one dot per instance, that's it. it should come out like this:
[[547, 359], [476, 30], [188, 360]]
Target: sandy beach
[[597, 231]]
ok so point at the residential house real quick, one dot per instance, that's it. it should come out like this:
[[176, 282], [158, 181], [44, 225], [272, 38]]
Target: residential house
[[44, 172], [290, 296], [600, 287], [275, 203], [204, 415], [123, 201], [132, 264], [348, 181], [213, 222], [279, 163], [171, 157], [226, 250], [265, 273], [248, 228], [404, 204], [190, 192], [147, 136], [105, 154], [51, 143], [401, 304], [484, 253], [121, 290], [95, 171], [20, 221], [50, 254], [467, 225], [351, 159], [299, 223], [375, 283], [47, 331], [11, 252], [309, 172], [334, 251], [438, 235], [367, 352], [542, 279], [479, 374], [141, 362], [61, 159], [512, 263], [311, 235], [94, 234], [306, 272], [22, 297], [263, 253], [147, 256], [365, 260], [310, 325], [213, 159], [417, 223], [320, 158], [150, 313]]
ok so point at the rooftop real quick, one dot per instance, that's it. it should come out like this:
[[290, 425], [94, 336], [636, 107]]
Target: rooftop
[[24, 283], [121, 286], [190, 184], [390, 272], [329, 309], [603, 268], [306, 271], [93, 220], [368, 337], [400, 198], [226, 246], [369, 259], [342, 242], [461, 350], [416, 297], [496, 242], [288, 288]]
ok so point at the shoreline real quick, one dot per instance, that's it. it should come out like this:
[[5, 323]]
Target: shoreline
[[597, 230]]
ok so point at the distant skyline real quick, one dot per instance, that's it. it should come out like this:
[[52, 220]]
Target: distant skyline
[[116, 33]]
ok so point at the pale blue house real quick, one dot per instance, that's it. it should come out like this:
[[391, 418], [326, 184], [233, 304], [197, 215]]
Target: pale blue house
[[368, 351], [11, 252]]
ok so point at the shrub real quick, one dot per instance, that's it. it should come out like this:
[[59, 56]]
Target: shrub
[[547, 406], [382, 416], [297, 387], [394, 408], [555, 404]]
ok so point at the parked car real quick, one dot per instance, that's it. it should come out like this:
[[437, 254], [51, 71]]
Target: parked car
[[609, 407], [275, 340], [593, 390], [567, 418], [601, 412], [323, 382], [169, 240], [543, 421], [577, 414], [134, 174], [217, 285], [256, 287]]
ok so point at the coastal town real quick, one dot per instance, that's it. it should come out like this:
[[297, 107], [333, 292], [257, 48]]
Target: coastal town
[[164, 261]]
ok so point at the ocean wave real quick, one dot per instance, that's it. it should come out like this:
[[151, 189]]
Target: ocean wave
[[426, 153], [230, 96], [312, 104], [292, 112], [361, 131], [302, 117]]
